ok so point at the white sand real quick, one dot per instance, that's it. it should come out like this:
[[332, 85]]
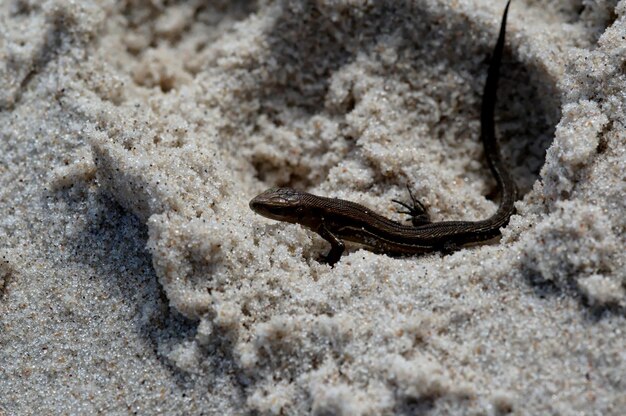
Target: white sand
[[134, 277]]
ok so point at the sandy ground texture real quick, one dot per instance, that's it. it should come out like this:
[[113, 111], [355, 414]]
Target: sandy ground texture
[[135, 279]]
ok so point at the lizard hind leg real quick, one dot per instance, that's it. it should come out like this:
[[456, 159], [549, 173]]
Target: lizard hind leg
[[417, 211]]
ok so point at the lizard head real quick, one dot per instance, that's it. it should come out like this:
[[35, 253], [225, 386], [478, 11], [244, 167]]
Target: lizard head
[[282, 204]]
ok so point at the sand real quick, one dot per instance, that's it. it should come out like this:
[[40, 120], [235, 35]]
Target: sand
[[134, 279]]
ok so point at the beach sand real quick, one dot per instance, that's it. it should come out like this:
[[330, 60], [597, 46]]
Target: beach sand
[[134, 278]]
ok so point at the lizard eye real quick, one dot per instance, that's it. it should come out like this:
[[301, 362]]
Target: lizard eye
[[279, 200], [283, 196]]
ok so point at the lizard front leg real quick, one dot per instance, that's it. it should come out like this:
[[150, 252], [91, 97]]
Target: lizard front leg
[[337, 246]]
